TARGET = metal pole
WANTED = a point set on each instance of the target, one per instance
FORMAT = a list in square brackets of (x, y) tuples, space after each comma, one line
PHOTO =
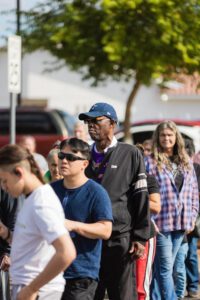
[(18, 30), (12, 118), (18, 17)]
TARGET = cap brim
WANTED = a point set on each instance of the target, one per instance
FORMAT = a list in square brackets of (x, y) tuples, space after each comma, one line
[(92, 114)]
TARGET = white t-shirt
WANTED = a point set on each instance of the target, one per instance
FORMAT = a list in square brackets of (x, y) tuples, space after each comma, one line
[(39, 222)]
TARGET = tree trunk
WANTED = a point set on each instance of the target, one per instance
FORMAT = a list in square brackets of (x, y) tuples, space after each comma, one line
[(131, 98)]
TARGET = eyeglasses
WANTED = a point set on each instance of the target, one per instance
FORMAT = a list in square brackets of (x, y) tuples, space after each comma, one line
[(95, 121), (69, 156)]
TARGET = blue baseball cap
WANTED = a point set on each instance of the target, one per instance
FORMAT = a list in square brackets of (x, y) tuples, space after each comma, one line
[(99, 110)]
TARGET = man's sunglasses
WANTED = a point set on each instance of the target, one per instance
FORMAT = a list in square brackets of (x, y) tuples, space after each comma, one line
[(69, 156), (95, 121)]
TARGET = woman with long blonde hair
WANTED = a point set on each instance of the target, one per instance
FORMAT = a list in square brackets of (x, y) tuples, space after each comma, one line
[(174, 171), (175, 151)]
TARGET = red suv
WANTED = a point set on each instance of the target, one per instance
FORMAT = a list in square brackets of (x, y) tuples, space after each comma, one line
[(46, 125)]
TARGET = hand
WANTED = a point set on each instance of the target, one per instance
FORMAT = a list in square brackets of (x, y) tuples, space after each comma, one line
[(5, 263), (189, 231), (137, 250), (27, 294), (70, 225), (3, 231)]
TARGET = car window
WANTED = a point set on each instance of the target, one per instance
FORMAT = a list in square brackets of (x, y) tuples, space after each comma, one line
[(28, 123), (68, 119), (140, 137), (4, 123)]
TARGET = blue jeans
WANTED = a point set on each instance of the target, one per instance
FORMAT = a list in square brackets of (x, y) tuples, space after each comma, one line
[(192, 265), (180, 270), (168, 244)]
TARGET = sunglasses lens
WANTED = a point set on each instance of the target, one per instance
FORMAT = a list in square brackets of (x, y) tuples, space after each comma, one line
[(95, 121), (69, 156), (61, 155)]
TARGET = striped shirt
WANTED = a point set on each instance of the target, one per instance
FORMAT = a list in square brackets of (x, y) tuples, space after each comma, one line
[(179, 209)]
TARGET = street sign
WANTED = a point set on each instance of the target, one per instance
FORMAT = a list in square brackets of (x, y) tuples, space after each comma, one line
[(14, 64)]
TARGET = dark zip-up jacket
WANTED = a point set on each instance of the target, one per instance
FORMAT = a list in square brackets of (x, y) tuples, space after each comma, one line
[(8, 209), (125, 181)]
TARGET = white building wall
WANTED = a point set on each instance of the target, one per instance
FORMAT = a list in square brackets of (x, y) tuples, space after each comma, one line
[(65, 89)]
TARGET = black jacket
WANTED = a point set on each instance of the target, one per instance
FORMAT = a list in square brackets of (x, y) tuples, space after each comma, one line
[(8, 208), (125, 181)]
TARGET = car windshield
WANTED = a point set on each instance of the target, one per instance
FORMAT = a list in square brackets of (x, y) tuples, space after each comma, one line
[(68, 119)]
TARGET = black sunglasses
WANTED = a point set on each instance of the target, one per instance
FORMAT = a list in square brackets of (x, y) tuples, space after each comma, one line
[(69, 156), (95, 121)]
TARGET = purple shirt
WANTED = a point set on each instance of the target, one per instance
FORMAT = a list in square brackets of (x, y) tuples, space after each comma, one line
[(97, 158)]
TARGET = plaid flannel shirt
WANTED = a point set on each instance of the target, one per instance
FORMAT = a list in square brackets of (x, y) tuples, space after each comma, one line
[(178, 209)]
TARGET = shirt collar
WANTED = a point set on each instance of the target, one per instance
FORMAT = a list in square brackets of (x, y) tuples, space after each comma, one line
[(113, 144)]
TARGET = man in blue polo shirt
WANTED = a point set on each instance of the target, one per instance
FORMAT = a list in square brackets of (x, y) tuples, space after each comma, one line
[(88, 218)]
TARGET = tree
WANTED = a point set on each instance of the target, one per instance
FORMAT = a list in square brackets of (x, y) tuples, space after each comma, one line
[(136, 40)]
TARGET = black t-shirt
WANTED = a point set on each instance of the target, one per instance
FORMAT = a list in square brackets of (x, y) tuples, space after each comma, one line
[(179, 180), (178, 176), (153, 187), (152, 184)]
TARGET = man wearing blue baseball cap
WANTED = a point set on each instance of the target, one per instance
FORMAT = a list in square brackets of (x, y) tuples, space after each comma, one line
[(99, 110), (119, 168)]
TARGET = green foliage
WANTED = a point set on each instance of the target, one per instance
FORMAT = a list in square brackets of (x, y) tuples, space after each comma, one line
[(118, 38), (154, 36)]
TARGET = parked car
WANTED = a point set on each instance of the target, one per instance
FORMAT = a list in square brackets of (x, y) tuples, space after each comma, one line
[(46, 125), (143, 130), (68, 119)]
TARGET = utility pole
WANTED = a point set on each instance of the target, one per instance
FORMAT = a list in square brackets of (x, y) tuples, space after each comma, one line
[(18, 17), (18, 31)]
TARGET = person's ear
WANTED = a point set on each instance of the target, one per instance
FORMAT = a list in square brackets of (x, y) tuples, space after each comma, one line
[(113, 123), (85, 163), (17, 171)]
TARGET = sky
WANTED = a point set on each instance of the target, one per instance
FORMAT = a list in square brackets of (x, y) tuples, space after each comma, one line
[(8, 20)]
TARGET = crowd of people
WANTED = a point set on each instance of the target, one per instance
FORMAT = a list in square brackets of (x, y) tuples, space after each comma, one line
[(100, 217)]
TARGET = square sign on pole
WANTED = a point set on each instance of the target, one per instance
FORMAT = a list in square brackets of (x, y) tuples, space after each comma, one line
[(14, 64)]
